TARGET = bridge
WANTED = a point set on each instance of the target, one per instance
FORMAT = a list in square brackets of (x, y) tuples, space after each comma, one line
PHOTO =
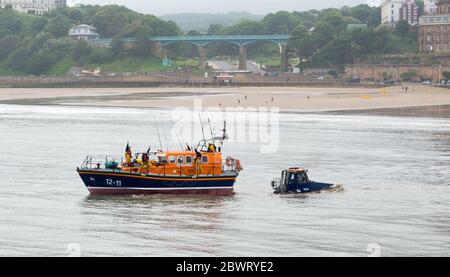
[(242, 41)]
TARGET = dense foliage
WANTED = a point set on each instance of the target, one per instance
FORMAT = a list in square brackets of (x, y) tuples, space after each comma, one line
[(330, 37), (201, 21), (327, 38), (32, 44)]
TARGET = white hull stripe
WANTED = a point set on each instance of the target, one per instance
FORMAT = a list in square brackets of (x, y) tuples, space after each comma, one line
[(130, 188)]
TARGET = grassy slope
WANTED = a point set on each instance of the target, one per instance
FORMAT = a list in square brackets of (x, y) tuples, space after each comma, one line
[(126, 64), (130, 64)]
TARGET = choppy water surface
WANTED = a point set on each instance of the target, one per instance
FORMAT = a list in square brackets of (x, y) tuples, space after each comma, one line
[(395, 171)]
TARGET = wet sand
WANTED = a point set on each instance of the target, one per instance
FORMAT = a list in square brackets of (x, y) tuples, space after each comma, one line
[(286, 99)]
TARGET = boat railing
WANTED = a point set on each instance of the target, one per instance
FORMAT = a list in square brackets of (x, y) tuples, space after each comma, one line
[(229, 166), (97, 162)]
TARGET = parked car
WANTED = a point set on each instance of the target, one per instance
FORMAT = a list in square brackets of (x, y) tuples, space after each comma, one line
[(427, 83), (354, 80), (389, 82)]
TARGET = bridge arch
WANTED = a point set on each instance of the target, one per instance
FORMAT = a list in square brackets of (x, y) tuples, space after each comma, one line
[(242, 41)]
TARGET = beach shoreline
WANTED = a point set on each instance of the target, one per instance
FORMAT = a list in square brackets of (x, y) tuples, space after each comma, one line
[(291, 99)]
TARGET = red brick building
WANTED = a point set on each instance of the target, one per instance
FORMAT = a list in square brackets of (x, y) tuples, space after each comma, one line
[(434, 33), (409, 11)]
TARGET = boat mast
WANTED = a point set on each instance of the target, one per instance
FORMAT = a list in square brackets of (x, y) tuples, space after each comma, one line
[(201, 123), (210, 129), (159, 136), (165, 137), (176, 133)]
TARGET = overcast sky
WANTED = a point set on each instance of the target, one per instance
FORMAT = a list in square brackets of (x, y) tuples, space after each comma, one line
[(162, 7)]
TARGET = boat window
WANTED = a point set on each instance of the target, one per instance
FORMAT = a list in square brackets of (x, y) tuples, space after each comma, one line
[(188, 160), (180, 159), (303, 177), (205, 159), (172, 159)]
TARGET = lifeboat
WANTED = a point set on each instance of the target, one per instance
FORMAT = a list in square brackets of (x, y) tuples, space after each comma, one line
[(199, 170)]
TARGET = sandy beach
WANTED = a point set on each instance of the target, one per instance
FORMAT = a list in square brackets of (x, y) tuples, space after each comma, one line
[(286, 99)]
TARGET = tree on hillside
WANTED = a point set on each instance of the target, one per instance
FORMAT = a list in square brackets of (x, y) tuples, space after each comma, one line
[(7, 45), (245, 27), (81, 52), (39, 24), (361, 12), (10, 21), (375, 17), (18, 59), (214, 29), (403, 28), (339, 51), (76, 15), (142, 47), (41, 62), (363, 41), (281, 22), (300, 42), (333, 18), (116, 24), (307, 19), (58, 26), (322, 34), (117, 45)]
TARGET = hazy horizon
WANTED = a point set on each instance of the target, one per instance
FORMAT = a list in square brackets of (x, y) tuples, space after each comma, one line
[(258, 7)]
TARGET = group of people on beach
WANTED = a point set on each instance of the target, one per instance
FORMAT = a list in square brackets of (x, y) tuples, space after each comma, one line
[(405, 89)]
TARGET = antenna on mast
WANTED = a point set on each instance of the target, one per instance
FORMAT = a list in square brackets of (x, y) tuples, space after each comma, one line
[(212, 134), (201, 123), (165, 137), (159, 136), (176, 133), (225, 136)]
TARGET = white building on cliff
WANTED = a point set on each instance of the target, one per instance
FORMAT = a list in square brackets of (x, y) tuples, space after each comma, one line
[(38, 7)]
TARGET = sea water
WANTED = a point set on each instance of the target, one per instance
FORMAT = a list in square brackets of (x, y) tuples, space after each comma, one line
[(395, 171)]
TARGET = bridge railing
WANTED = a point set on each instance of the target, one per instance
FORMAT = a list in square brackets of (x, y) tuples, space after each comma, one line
[(208, 38)]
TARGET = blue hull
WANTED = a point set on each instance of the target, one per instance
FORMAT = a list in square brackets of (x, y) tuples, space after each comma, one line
[(311, 187), (119, 183)]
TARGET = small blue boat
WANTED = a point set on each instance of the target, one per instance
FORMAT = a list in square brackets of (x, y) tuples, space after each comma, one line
[(296, 180)]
